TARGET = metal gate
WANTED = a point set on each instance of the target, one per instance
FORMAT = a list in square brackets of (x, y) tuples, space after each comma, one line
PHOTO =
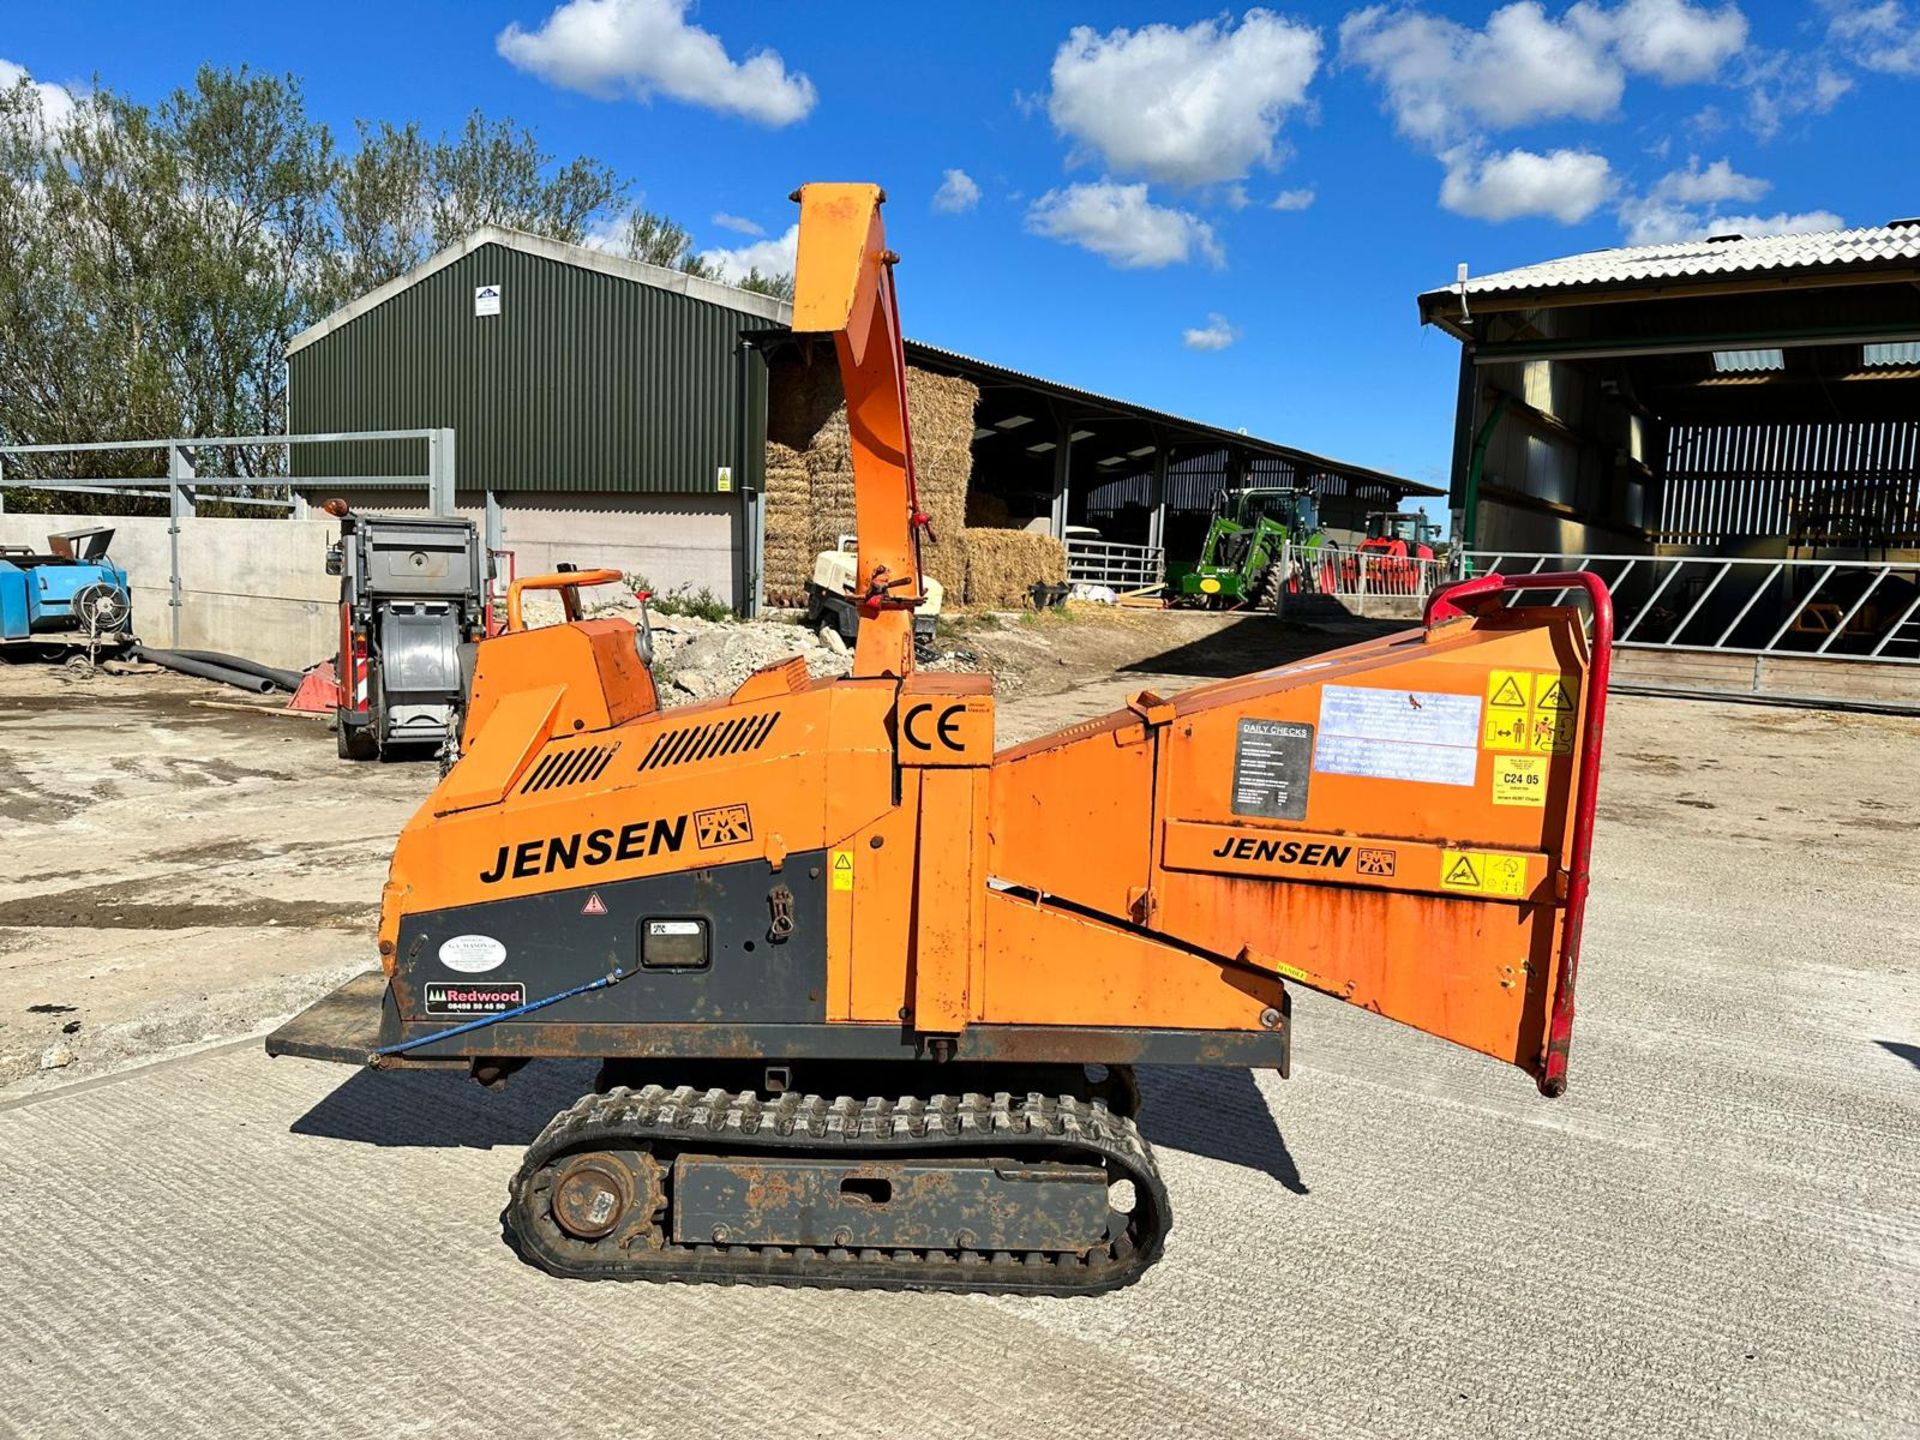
[(1801, 628), (1121, 568)]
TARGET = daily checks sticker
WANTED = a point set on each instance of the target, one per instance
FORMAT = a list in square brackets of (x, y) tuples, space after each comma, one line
[(1484, 872)]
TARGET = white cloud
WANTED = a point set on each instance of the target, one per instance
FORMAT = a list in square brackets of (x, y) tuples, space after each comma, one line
[(1653, 222), (1444, 81), (1647, 222), (1293, 199), (607, 234), (57, 105), (1881, 37), (1450, 86), (1781, 86), (1191, 106), (957, 193), (1714, 185), (770, 257), (1682, 206), (1567, 185), (1120, 223), (1675, 42), (1216, 334), (647, 47), (1779, 223), (739, 224)]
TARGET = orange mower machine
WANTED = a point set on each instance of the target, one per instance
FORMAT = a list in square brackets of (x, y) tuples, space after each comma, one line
[(868, 993)]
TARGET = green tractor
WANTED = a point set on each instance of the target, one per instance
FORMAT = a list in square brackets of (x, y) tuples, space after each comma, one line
[(1241, 561)]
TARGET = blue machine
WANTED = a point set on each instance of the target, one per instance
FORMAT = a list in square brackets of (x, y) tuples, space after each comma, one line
[(73, 596)]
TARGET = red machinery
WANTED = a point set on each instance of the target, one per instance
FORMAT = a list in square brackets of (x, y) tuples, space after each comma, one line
[(1396, 557)]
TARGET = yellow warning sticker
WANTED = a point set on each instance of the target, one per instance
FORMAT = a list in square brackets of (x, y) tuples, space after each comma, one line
[(1552, 733), (1557, 693), (1520, 780), (843, 870), (1484, 872), (1507, 730), (1530, 710), (1509, 689)]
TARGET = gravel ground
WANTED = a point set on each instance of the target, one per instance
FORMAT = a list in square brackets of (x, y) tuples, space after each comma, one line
[(1716, 1232)]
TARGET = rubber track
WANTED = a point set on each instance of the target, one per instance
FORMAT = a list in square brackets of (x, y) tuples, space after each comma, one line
[(684, 1120)]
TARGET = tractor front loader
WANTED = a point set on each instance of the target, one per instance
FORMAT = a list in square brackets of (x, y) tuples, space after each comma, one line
[(867, 994), (1262, 544)]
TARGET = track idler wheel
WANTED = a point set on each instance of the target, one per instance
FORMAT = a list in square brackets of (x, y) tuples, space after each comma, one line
[(595, 1194)]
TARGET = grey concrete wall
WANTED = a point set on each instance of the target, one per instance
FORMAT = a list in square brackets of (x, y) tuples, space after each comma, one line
[(676, 541), (257, 588)]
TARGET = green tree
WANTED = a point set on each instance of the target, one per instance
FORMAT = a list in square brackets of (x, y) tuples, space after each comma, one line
[(780, 287), (655, 239), (402, 197), (155, 261)]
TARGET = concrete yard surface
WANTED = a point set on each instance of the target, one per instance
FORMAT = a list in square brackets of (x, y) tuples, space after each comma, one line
[(1716, 1232)]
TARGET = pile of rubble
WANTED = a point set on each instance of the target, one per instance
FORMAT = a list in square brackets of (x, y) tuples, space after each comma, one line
[(697, 659)]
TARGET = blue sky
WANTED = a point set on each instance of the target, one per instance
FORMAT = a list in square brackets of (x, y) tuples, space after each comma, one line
[(1221, 212)]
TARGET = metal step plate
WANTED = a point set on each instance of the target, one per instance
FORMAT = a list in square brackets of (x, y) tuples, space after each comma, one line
[(343, 1027)]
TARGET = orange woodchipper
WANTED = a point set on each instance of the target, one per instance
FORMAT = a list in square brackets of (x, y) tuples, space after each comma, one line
[(867, 993)]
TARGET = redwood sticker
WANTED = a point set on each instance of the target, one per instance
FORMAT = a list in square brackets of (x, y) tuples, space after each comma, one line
[(469, 997)]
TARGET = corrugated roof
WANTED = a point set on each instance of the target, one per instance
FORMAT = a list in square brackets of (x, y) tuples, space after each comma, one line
[(920, 350), (1816, 252), (749, 302)]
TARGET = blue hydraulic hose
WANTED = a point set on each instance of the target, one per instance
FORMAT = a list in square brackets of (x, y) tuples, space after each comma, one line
[(485, 1020)]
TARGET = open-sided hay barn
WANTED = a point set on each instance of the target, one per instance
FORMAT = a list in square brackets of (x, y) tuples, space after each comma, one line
[(1727, 430)]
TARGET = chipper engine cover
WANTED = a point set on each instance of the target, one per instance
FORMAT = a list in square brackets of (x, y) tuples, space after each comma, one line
[(868, 992)]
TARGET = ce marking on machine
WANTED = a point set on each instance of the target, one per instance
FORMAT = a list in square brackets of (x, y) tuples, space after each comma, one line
[(945, 726)]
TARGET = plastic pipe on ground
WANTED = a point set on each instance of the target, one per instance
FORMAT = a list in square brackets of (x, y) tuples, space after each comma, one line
[(206, 670), (285, 679)]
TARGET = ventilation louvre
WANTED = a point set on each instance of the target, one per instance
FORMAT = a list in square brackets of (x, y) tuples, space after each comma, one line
[(734, 736), (562, 768)]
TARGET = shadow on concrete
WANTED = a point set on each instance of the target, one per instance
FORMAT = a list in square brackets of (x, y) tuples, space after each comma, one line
[(433, 1110), (1908, 1053), (1258, 642), (1219, 1113)]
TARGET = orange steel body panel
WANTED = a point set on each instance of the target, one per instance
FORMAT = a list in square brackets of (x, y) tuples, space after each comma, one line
[(597, 662), (1361, 892), (1109, 875)]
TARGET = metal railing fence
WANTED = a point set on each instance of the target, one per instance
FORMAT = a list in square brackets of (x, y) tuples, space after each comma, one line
[(182, 485), (1356, 577), (1861, 610)]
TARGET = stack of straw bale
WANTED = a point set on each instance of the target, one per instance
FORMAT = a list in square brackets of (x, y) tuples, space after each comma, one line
[(940, 416), (1003, 566), (789, 521)]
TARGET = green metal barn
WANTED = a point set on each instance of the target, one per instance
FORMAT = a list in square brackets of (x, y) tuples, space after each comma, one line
[(591, 413)]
